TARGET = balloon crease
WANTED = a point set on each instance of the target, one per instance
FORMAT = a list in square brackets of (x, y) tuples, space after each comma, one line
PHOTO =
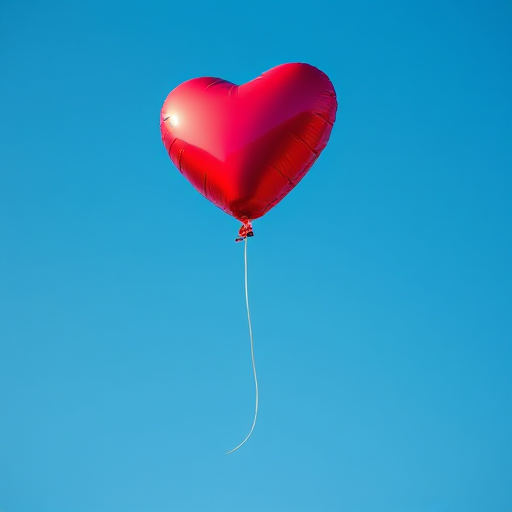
[(302, 141), (179, 158), (220, 81), (323, 118), (282, 174), (170, 147)]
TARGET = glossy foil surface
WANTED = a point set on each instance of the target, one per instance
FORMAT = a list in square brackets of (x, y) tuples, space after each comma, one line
[(245, 147)]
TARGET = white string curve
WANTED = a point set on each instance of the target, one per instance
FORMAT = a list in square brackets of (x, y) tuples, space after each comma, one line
[(252, 355)]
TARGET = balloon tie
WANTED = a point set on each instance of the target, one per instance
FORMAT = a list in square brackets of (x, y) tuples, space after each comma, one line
[(245, 231), (252, 346)]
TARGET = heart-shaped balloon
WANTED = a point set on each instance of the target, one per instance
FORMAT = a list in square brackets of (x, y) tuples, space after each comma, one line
[(245, 147)]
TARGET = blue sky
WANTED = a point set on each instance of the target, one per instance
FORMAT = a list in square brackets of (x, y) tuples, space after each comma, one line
[(380, 288)]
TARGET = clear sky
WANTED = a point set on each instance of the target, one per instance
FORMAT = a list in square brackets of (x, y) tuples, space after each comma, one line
[(381, 287)]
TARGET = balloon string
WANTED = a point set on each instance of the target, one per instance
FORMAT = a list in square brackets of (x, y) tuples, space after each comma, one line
[(252, 354)]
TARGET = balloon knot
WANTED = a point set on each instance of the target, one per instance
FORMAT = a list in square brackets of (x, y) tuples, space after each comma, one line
[(245, 231)]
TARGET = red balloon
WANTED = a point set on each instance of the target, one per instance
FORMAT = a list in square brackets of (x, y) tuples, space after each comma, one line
[(245, 147)]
